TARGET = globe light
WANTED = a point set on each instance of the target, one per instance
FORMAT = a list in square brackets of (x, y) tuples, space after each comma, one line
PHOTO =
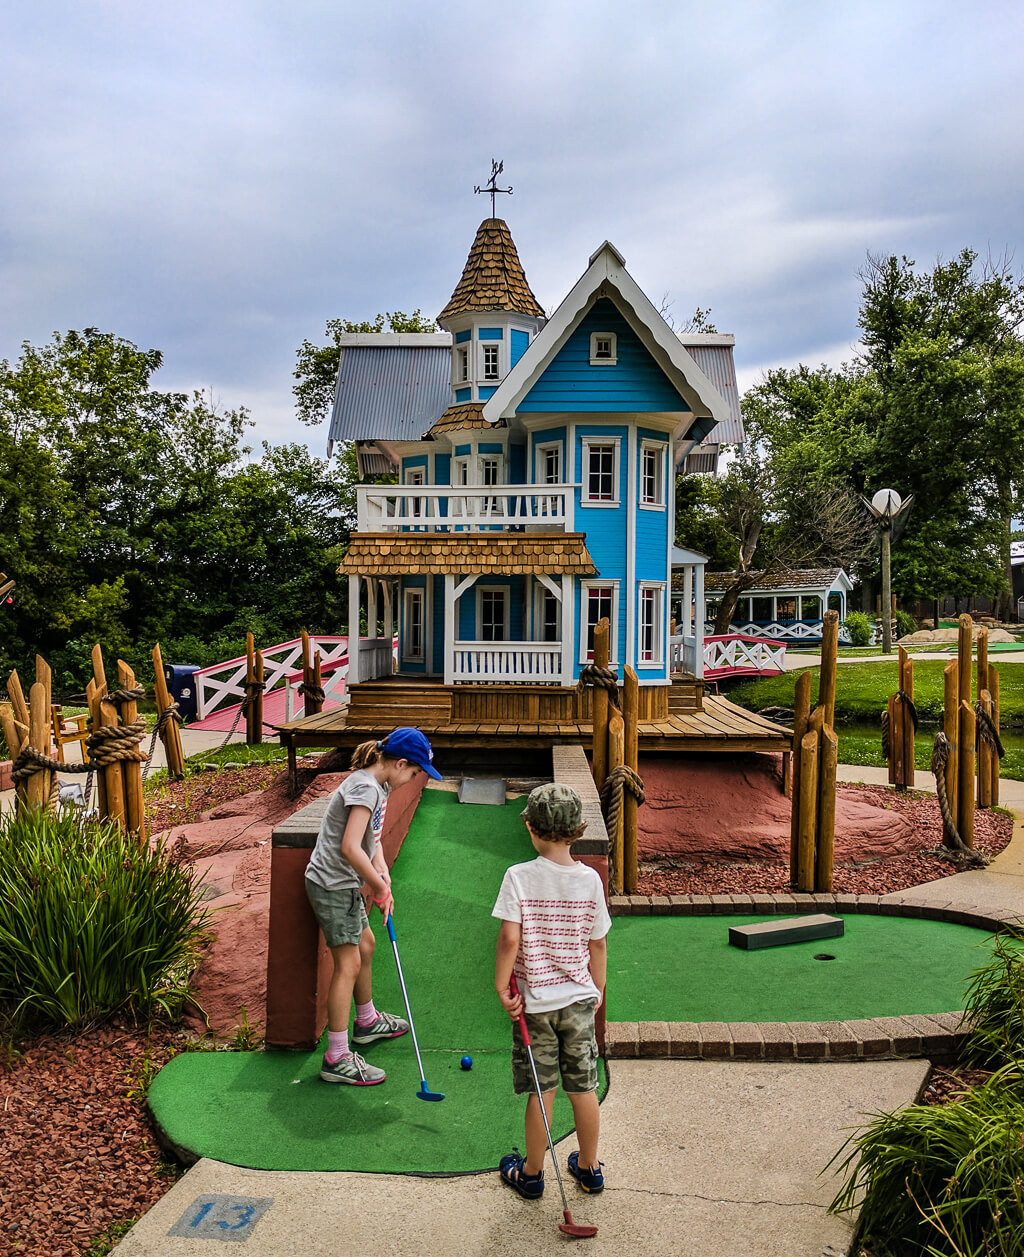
[(886, 503)]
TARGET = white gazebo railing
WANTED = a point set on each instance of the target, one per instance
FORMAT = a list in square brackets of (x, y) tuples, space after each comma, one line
[(537, 663), (451, 508), (785, 630)]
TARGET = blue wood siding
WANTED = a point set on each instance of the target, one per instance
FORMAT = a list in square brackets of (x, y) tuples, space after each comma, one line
[(468, 627), (635, 383), (461, 450), (437, 621), (520, 343), (652, 523), (517, 464), (415, 461), (462, 337), (442, 469), (490, 333), (486, 391), (491, 447), (409, 582), (463, 394)]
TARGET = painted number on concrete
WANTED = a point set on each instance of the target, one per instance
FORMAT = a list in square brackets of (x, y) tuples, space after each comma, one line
[(219, 1217)]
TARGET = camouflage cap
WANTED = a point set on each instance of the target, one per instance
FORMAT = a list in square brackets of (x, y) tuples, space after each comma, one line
[(554, 809)]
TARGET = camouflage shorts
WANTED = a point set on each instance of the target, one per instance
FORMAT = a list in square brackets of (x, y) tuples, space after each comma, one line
[(563, 1043)]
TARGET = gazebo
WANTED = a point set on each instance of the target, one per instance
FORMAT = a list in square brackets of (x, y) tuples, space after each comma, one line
[(784, 605)]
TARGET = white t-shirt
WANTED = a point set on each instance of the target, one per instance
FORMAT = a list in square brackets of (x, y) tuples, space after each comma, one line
[(560, 908)]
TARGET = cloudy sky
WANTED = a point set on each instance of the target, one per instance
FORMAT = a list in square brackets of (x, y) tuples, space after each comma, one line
[(217, 179)]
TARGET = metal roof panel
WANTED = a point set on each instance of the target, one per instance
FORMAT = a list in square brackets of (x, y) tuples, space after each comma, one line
[(390, 392)]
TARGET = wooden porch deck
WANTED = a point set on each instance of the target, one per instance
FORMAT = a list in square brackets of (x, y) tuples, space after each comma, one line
[(712, 724)]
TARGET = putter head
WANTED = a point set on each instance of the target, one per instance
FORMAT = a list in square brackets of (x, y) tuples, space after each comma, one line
[(574, 1230), (424, 1094)]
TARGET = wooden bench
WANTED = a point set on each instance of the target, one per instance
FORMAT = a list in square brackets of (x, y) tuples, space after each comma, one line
[(68, 729)]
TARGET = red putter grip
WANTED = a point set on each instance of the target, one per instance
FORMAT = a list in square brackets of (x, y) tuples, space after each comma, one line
[(513, 986)]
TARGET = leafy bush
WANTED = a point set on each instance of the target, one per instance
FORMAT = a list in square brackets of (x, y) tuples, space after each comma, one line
[(905, 624), (994, 1008), (859, 627), (91, 922)]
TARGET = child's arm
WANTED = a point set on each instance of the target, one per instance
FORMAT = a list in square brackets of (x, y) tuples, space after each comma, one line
[(352, 851), (599, 964), (508, 947)]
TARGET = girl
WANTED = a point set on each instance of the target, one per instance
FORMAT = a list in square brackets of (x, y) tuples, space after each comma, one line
[(348, 855)]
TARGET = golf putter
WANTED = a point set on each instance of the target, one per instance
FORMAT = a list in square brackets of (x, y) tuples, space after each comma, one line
[(424, 1092), (568, 1227)]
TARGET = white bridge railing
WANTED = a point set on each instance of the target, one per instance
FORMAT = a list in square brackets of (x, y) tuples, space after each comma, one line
[(743, 654), (456, 508), (537, 663), (785, 630), (223, 684)]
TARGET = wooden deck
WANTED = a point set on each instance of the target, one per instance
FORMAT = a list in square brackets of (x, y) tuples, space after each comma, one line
[(712, 724)]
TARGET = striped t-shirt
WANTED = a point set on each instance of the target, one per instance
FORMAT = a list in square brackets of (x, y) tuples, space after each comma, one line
[(560, 908)]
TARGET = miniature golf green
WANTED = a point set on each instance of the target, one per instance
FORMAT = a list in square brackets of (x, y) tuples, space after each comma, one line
[(269, 1110)]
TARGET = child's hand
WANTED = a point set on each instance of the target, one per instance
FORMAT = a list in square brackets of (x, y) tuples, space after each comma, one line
[(512, 1004), (385, 903)]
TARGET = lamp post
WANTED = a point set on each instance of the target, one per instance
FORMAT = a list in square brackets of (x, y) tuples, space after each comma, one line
[(887, 507)]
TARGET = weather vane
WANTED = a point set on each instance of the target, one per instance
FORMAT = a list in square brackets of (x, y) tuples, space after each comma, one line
[(491, 185)]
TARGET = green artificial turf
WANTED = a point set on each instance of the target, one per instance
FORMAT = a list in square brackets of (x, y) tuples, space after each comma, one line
[(684, 969), (269, 1110)]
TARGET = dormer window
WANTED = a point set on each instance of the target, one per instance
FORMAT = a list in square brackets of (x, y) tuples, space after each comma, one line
[(461, 366), (490, 362), (603, 349)]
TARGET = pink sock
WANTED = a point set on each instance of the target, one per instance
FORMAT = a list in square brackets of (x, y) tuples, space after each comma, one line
[(366, 1014), (337, 1045)]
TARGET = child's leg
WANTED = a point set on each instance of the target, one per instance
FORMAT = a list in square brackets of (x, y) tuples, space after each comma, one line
[(363, 988), (536, 1135), (339, 994), (587, 1115)]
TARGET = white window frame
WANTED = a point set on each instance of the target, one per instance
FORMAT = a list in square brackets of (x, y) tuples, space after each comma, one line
[(613, 619), (659, 450), (657, 659), (605, 360), (541, 453), (507, 610), (588, 442), (485, 353), (540, 594), (462, 372), (411, 594)]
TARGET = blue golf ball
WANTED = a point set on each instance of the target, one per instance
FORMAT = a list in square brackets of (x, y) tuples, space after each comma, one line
[(466, 1062)]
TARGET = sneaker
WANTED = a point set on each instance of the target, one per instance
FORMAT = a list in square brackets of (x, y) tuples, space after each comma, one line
[(387, 1026), (591, 1180), (529, 1186), (353, 1070)]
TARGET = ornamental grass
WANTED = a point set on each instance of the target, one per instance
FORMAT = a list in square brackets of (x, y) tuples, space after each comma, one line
[(92, 923), (994, 1008)]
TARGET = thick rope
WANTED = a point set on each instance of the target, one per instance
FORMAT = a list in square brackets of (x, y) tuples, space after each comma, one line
[(987, 731), (169, 714), (618, 781), (603, 678), (885, 735), (903, 697), (315, 692), (953, 846)]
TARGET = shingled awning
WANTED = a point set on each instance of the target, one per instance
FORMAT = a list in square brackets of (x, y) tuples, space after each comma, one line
[(491, 554), (463, 415), (493, 278)]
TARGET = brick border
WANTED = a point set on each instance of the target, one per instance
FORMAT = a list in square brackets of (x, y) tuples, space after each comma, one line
[(937, 1036)]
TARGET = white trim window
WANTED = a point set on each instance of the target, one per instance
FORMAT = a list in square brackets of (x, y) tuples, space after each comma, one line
[(491, 360), (462, 364), (650, 647), (600, 601), (603, 349), (415, 476), (549, 463), (492, 613), (600, 471), (652, 474), (547, 615), (414, 621)]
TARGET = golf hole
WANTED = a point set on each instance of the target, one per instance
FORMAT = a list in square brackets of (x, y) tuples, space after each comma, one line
[(823, 955)]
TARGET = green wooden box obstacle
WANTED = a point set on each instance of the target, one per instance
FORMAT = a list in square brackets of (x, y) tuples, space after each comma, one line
[(788, 930)]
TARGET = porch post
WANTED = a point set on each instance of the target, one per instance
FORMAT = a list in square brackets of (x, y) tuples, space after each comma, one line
[(698, 624), (568, 627), (353, 631), (389, 622), (449, 628), (687, 616)]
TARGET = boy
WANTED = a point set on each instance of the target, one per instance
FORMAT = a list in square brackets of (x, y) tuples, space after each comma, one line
[(553, 926)]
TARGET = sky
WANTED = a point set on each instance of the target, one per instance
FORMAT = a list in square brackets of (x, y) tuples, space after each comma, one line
[(215, 180)]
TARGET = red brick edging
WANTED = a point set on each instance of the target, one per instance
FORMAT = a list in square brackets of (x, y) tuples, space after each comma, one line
[(936, 1035)]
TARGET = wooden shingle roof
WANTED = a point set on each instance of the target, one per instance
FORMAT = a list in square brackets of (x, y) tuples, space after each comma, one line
[(493, 278), (493, 554), (782, 581), (463, 415)]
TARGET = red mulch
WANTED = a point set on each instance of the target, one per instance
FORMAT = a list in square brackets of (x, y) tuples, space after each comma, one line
[(992, 831), (79, 1153)]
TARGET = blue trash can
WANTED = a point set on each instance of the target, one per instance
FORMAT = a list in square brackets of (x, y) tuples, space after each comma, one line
[(181, 684)]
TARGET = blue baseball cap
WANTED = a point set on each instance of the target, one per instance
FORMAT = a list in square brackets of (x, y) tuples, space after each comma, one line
[(411, 744)]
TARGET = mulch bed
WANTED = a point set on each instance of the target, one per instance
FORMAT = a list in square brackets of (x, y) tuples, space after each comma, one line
[(992, 831), (79, 1153)]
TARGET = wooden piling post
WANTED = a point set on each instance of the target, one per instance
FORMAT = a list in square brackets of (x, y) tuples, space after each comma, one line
[(630, 716), (986, 754), (307, 676), (599, 705), (993, 688), (616, 748), (113, 778), (37, 792), (890, 706), (808, 811), (170, 734), (963, 652), (824, 853), (965, 786), (801, 713), (981, 676), (250, 677), (951, 728), (92, 698), (827, 674), (318, 681), (131, 769)]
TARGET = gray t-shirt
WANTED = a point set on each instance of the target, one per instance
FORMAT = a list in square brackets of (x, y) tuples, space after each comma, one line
[(327, 866)]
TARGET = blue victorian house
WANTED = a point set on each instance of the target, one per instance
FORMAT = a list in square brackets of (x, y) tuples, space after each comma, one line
[(536, 460)]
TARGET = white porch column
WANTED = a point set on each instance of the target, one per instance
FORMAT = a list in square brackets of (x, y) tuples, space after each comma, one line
[(698, 622), (568, 628), (371, 608), (353, 631), (389, 621), (685, 627), (449, 628)]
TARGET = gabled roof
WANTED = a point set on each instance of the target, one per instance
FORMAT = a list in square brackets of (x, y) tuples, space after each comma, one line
[(712, 352), (493, 277), (792, 581), (391, 385), (606, 276)]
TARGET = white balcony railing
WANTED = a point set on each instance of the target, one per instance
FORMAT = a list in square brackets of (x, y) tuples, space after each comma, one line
[(529, 663), (457, 508)]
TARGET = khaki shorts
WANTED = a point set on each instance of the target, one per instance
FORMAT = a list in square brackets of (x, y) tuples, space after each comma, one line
[(341, 913), (563, 1042)]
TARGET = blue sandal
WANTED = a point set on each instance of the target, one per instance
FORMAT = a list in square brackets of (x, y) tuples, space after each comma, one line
[(589, 1178), (529, 1186)]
